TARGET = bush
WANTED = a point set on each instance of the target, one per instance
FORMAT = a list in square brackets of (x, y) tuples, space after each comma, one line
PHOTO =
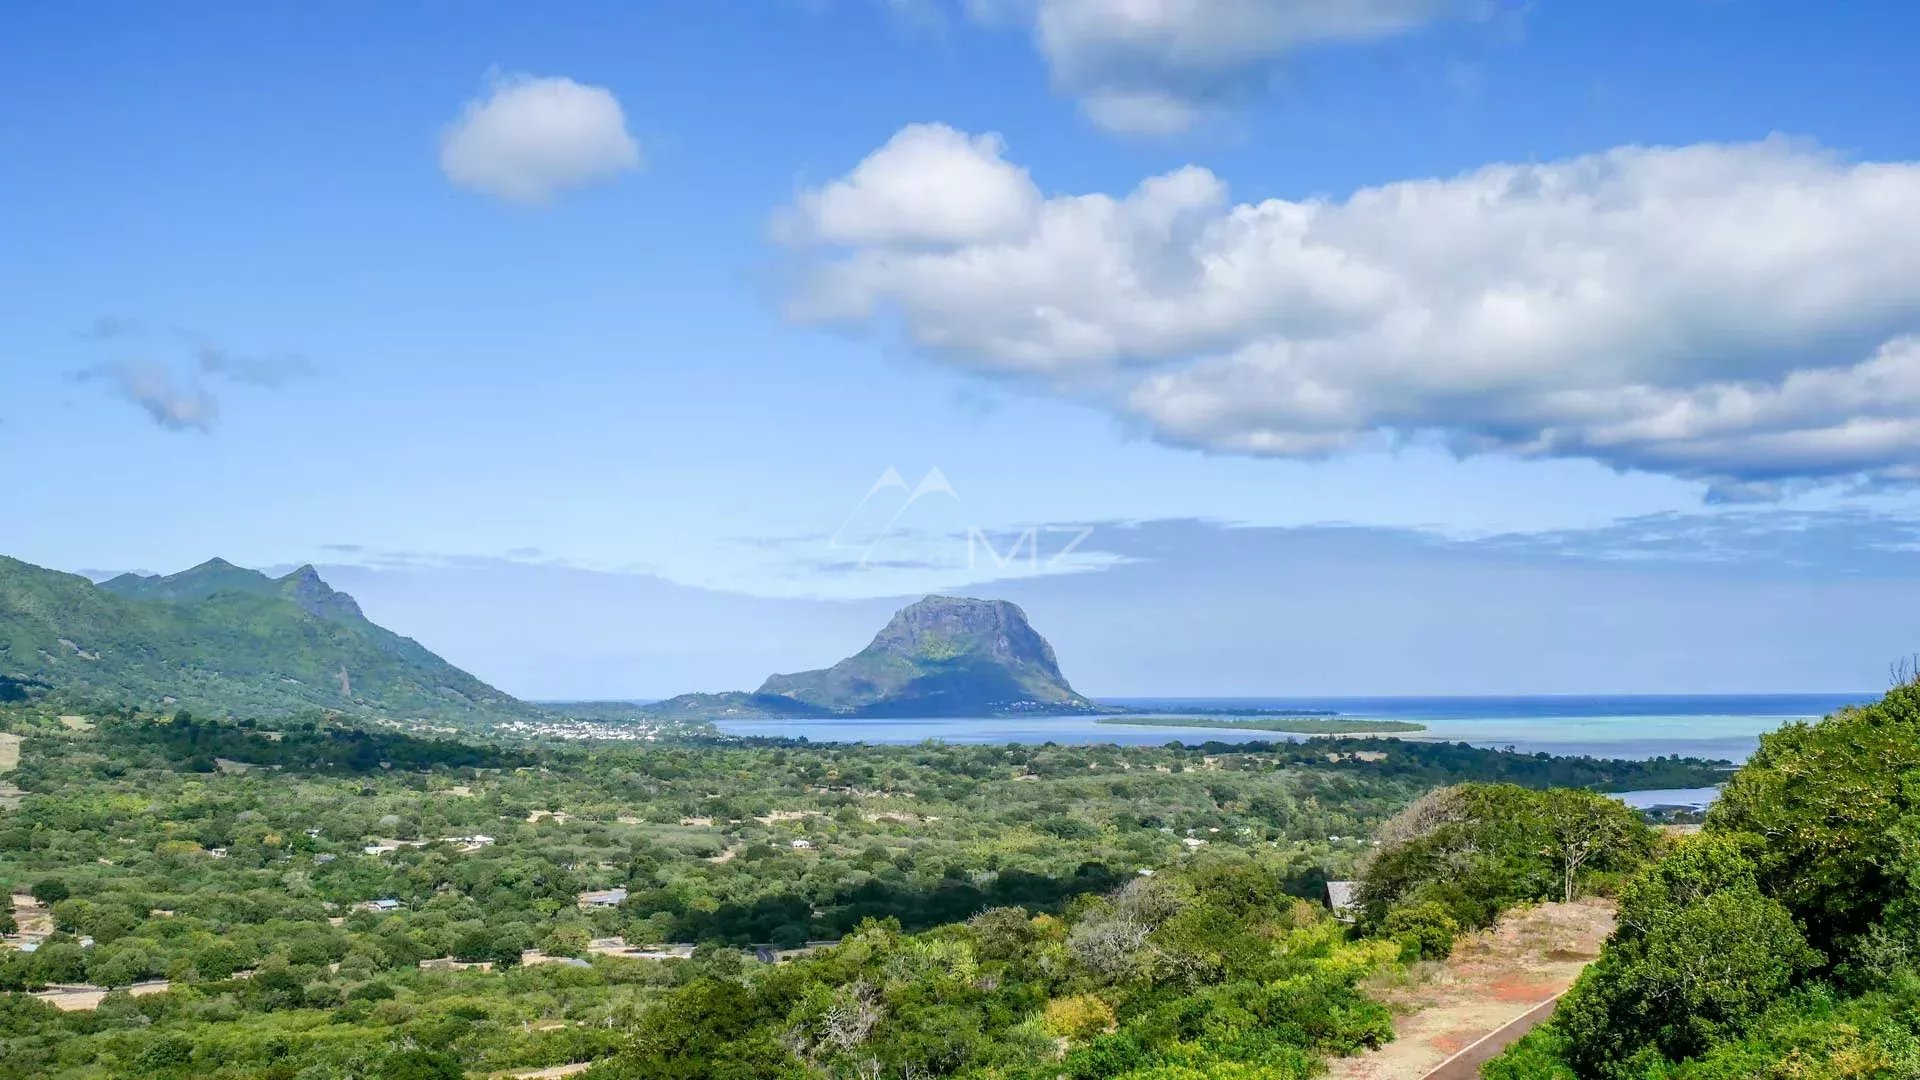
[(1697, 973), (166, 1052), (421, 1065), (1078, 1017), (1538, 1055), (1425, 931)]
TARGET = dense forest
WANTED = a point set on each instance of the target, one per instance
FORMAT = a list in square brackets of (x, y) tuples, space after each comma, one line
[(1149, 904)]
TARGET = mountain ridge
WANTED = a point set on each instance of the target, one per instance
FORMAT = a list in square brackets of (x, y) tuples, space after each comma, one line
[(303, 586), (224, 639)]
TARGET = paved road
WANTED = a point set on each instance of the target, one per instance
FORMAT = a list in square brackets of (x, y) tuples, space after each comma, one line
[(1465, 1065)]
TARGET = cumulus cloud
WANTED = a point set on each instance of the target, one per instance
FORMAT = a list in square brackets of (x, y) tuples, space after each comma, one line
[(530, 138), (1153, 66), (172, 404), (929, 184), (1743, 314)]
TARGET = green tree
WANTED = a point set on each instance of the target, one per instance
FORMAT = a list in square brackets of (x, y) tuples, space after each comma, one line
[(1838, 802), (1589, 830), (1682, 977), (420, 1064), (165, 1053), (1425, 931), (119, 964)]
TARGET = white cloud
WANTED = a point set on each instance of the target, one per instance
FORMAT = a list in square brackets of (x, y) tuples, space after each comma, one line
[(532, 137), (1152, 66), (1741, 314), (929, 184)]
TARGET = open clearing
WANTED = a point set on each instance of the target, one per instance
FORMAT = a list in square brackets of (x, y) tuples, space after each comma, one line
[(1492, 978), (34, 918), (88, 998), (553, 1073), (10, 795)]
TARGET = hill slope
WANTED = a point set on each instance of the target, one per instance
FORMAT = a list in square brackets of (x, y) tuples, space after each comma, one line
[(225, 640), (941, 656)]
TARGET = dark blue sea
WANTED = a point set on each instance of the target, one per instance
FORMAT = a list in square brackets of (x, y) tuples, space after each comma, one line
[(1626, 726)]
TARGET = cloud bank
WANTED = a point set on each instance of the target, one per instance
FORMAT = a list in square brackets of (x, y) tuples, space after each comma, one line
[(1737, 601), (531, 138), (1747, 315)]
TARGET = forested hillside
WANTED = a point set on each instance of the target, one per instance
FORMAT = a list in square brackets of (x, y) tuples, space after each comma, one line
[(1098, 911), (222, 640)]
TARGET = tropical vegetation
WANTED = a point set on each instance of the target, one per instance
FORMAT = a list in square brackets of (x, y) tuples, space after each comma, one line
[(1781, 942), (314, 892)]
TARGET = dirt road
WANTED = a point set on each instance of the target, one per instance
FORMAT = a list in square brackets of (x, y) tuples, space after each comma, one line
[(1496, 986), (1465, 1065)]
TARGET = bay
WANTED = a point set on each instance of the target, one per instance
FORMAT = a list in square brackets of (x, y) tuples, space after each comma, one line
[(1620, 725)]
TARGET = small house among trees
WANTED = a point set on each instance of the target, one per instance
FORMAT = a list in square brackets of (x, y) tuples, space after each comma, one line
[(1340, 899), (602, 898)]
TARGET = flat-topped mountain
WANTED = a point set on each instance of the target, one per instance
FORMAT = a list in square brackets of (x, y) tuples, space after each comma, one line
[(941, 656), (223, 639)]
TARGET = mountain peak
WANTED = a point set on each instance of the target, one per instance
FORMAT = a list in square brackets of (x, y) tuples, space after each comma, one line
[(306, 588), (210, 578), (942, 627), (941, 655)]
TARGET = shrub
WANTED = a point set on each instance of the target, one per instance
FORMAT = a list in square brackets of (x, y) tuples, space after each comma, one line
[(421, 1065), (1538, 1055), (1078, 1017), (1695, 974), (1425, 931)]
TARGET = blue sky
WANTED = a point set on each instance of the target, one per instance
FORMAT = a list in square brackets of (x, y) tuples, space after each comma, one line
[(606, 323)]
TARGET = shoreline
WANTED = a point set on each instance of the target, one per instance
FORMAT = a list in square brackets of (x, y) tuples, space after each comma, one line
[(1299, 725)]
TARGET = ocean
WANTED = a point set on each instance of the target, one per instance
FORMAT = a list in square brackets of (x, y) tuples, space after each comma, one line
[(1624, 726)]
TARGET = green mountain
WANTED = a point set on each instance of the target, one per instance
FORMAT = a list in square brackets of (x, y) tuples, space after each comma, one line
[(941, 656), (225, 640)]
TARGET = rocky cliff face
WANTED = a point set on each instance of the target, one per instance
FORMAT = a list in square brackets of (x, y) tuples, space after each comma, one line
[(942, 626), (306, 588), (943, 655)]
